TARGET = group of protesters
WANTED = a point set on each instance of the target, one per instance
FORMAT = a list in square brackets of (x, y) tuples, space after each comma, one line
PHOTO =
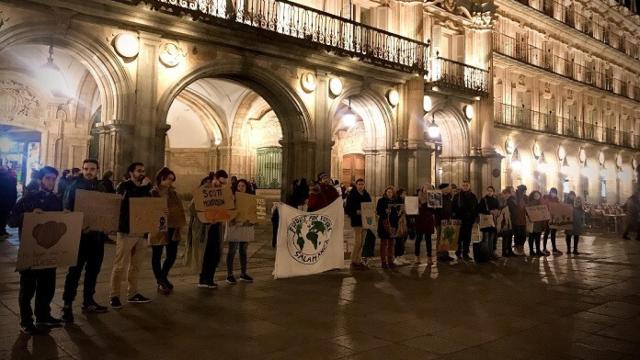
[(507, 210), (48, 193)]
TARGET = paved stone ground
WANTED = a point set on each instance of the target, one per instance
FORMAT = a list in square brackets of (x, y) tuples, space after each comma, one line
[(567, 307)]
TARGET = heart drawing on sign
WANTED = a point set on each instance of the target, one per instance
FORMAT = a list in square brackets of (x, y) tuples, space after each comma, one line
[(48, 234)]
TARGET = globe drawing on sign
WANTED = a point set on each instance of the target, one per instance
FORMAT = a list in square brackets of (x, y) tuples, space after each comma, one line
[(308, 237)]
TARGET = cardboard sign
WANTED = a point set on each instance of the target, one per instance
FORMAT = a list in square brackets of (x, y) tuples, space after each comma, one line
[(411, 205), (561, 216), (486, 221), (215, 216), (538, 213), (261, 211), (148, 215), (449, 233), (177, 216), (368, 214), (206, 198), (49, 240), (434, 199), (246, 205), (101, 210)]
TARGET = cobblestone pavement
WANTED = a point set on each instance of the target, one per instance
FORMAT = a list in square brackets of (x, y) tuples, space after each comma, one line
[(566, 307)]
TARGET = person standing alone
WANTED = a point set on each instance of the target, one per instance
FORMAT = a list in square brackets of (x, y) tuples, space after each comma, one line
[(465, 204)]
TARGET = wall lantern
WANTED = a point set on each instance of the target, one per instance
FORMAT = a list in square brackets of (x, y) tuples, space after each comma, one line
[(217, 141), (543, 165), (619, 161), (634, 163), (308, 82), (433, 130), (427, 104), (171, 54), (126, 45), (509, 146), (468, 112), (516, 164), (335, 87), (393, 97)]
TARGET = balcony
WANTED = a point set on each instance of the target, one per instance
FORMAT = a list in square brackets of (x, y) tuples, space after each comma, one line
[(306, 26), (524, 52), (445, 73), (527, 119), (598, 30)]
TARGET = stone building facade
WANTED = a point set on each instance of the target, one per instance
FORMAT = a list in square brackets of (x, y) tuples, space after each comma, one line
[(401, 92)]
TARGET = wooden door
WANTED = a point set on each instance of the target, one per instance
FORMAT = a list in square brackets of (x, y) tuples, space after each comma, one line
[(352, 168)]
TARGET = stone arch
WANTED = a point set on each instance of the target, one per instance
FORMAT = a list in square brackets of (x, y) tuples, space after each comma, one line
[(114, 84), (295, 120), (454, 130), (288, 106), (210, 116), (377, 118)]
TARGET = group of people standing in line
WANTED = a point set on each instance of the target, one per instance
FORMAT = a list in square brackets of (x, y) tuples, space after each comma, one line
[(508, 210), (204, 246)]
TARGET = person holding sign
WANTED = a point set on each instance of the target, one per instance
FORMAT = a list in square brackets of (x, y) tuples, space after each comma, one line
[(129, 247), (90, 252), (536, 227), (241, 232), (425, 223), (38, 282), (488, 209), (355, 198), (547, 199), (388, 223), (171, 238), (465, 204), (578, 223), (213, 233)]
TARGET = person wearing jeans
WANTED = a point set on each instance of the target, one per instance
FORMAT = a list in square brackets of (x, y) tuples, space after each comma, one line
[(40, 283), (129, 247), (213, 247), (425, 223), (357, 195), (170, 239), (387, 220), (239, 235), (552, 197), (90, 252)]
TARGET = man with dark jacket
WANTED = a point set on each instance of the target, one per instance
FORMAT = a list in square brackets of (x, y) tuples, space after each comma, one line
[(129, 247), (465, 205), (91, 251), (445, 213), (38, 282), (8, 196), (356, 197)]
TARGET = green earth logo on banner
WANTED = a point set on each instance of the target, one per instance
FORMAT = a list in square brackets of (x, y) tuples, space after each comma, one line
[(308, 237)]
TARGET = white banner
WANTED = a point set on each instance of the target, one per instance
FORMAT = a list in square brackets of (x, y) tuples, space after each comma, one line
[(309, 242)]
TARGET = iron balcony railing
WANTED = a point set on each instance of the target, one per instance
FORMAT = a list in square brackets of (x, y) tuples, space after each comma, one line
[(550, 123), (339, 35), (599, 30), (545, 59), (457, 75)]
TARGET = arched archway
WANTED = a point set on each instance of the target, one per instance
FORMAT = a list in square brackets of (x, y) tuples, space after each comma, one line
[(361, 148), (452, 162), (292, 115)]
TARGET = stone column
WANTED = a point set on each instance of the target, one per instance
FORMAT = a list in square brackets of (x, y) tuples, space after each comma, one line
[(116, 146), (323, 124), (297, 162)]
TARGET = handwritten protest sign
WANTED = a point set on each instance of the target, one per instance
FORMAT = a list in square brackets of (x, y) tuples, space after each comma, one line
[(434, 199), (207, 198), (368, 214), (49, 240), (148, 215), (101, 210), (261, 210), (411, 205), (561, 216), (448, 239), (538, 213)]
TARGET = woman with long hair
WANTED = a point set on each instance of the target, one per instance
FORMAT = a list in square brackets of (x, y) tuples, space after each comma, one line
[(166, 240), (239, 235)]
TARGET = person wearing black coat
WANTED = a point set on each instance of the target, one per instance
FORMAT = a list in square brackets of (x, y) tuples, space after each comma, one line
[(90, 252), (40, 283), (445, 213), (387, 220), (356, 197), (489, 205), (8, 196), (465, 205)]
